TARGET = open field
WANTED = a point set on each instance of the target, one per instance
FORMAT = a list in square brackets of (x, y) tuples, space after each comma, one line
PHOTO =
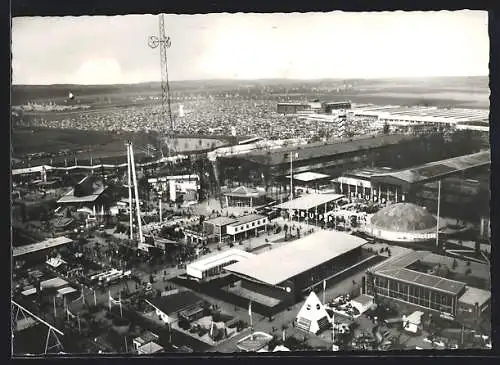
[(100, 145)]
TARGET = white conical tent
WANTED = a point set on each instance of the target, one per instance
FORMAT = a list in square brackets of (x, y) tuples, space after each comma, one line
[(313, 316)]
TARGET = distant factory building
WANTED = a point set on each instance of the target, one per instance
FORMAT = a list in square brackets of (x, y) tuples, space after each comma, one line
[(472, 119), (330, 107), (295, 108)]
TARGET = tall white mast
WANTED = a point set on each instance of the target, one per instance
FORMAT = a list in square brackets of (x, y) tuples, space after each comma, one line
[(130, 207), (291, 175), (159, 203), (438, 213), (136, 192)]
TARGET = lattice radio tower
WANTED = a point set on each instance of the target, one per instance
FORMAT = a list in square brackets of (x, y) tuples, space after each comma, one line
[(166, 111)]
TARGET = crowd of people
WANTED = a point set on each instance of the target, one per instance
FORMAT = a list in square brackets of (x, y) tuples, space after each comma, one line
[(203, 116)]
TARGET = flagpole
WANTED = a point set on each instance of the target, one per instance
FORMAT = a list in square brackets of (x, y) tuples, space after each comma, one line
[(291, 188), (324, 292), (120, 300), (55, 311), (251, 320), (334, 347)]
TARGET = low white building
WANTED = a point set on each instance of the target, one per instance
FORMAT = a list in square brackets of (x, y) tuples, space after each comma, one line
[(214, 264), (248, 223), (144, 339)]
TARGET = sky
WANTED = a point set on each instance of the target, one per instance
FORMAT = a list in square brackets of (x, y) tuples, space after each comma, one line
[(113, 50)]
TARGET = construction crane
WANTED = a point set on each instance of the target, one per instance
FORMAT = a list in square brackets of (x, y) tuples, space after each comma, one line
[(163, 42)]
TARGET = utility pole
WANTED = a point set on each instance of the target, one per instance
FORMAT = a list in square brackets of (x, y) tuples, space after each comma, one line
[(438, 213)]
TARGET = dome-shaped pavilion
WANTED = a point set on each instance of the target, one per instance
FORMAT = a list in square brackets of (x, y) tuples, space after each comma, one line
[(403, 222)]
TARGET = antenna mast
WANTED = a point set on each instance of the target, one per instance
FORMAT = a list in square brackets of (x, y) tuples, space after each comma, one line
[(166, 111)]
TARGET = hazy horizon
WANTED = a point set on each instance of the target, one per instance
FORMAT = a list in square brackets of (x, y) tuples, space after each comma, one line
[(269, 79), (100, 50)]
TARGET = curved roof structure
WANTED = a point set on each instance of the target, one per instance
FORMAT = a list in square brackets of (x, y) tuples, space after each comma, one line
[(435, 170), (404, 217)]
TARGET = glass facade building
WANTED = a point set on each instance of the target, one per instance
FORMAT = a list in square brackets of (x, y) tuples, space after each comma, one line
[(420, 295)]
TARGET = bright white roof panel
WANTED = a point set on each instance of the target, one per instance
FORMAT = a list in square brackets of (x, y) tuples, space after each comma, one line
[(473, 295), (67, 290), (282, 263), (53, 283), (309, 201), (211, 261), (50, 243), (308, 176), (29, 292)]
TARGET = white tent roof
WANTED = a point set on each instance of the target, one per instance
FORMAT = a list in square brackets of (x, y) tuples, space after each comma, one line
[(55, 262), (281, 348), (414, 318), (53, 283), (308, 176), (66, 291), (312, 312), (309, 201)]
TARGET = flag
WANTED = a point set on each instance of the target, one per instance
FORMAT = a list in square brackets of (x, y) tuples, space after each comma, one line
[(296, 155), (324, 285)]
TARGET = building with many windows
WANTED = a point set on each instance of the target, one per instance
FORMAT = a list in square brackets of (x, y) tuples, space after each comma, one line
[(399, 279), (247, 225)]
